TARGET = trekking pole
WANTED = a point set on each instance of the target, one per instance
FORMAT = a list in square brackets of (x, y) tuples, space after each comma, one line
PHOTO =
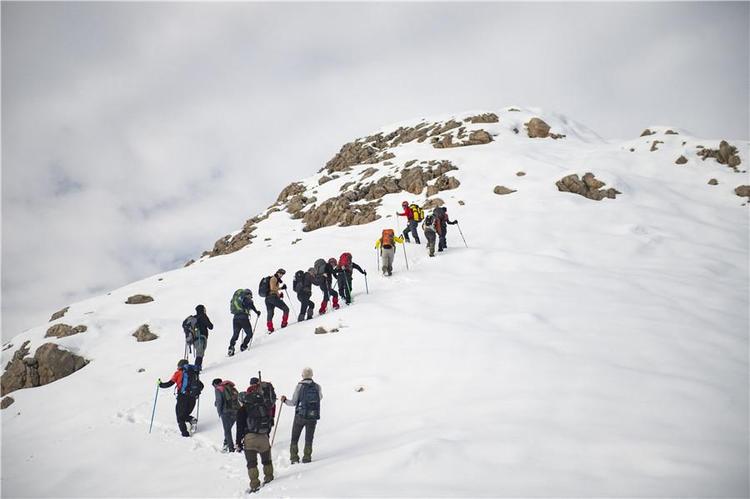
[(153, 411), (291, 306), (462, 234), (377, 259), (403, 246), (367, 288), (278, 417), (186, 350), (198, 413), (255, 326)]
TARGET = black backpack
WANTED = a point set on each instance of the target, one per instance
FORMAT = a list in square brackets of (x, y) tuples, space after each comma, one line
[(264, 287), (190, 328), (257, 419), (429, 221), (440, 213), (320, 266), (299, 280), (191, 383), (231, 397), (308, 405)]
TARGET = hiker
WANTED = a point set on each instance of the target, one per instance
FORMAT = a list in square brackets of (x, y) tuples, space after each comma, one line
[(302, 285), (428, 226), (387, 245), (188, 389), (441, 225), (306, 401), (254, 423), (227, 404), (326, 285), (204, 324), (412, 214), (344, 276), (241, 306), (274, 299)]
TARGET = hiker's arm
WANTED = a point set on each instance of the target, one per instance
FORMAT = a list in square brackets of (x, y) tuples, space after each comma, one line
[(219, 402), (241, 427), (355, 266), (295, 397), (172, 381)]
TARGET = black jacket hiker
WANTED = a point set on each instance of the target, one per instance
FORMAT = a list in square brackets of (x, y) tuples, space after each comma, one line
[(204, 324)]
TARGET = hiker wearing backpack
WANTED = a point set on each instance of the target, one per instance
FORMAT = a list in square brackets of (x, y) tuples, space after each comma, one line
[(428, 226), (306, 401), (188, 389), (325, 281), (441, 225), (254, 423), (273, 289), (240, 307), (203, 325), (227, 404), (344, 276), (302, 285), (414, 215), (387, 246)]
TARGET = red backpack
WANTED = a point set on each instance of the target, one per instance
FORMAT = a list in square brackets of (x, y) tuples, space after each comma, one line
[(345, 261), (386, 239)]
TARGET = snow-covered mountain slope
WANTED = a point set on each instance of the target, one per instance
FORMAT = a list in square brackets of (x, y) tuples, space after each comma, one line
[(575, 348)]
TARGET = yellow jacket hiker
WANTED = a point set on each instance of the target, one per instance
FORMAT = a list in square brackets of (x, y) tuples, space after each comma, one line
[(387, 245)]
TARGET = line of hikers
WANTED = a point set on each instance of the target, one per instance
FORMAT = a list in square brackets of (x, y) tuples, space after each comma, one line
[(253, 412)]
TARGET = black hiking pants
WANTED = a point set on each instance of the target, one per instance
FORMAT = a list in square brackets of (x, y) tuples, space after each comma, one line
[(309, 427), (344, 278), (227, 421), (272, 302), (411, 228), (327, 288), (442, 244), (241, 322), (185, 405), (307, 307), (431, 236)]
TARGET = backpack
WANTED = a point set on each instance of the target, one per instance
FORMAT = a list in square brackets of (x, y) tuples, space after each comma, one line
[(440, 213), (386, 239), (269, 398), (191, 383), (308, 405), (237, 306), (299, 280), (190, 328), (258, 419), (418, 213), (345, 261), (320, 266), (231, 397), (265, 286)]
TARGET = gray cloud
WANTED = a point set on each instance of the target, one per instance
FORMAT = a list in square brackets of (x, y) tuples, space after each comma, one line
[(135, 134)]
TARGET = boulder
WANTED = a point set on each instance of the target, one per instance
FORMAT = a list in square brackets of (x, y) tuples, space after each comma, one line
[(49, 364), (681, 160), (743, 191), (369, 172), (502, 190), (143, 333), (138, 299), (359, 389), (520, 174), (654, 145), (537, 128), (322, 180), (63, 330), (320, 330), (461, 203), (713, 181), (647, 132), (189, 262), (588, 187), (432, 190), (290, 190), (484, 118), (432, 204), (478, 137), (59, 314), (446, 183), (6, 402), (726, 154), (671, 132)]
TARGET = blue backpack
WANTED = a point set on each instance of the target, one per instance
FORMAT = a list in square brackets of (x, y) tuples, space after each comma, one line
[(191, 383), (308, 405)]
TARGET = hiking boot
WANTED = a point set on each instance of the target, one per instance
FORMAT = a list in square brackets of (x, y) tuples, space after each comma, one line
[(254, 481), (323, 307), (269, 325), (243, 348), (300, 318), (293, 454), (307, 454), (267, 473), (227, 448), (310, 315), (336, 303), (230, 352), (284, 320)]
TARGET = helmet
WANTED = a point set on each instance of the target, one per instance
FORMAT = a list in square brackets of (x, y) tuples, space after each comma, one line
[(281, 271)]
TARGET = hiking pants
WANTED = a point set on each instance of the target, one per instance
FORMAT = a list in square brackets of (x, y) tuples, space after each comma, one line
[(442, 244), (241, 322), (307, 307), (387, 254), (411, 227), (326, 286), (273, 301), (431, 236), (345, 285), (298, 425), (227, 421), (185, 405), (254, 444), (200, 349)]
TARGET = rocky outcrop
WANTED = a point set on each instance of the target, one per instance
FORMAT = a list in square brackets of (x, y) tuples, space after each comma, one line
[(655, 144), (681, 160), (502, 190), (647, 132), (6, 402), (726, 154), (290, 190), (433, 203), (537, 128), (322, 180), (368, 173), (477, 137), (189, 262), (341, 211), (446, 183), (63, 330), (229, 243), (143, 333), (671, 132), (588, 187), (138, 299), (49, 364), (59, 314), (483, 118), (743, 191)]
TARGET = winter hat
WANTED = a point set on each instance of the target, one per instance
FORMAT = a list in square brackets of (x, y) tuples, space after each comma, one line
[(311, 270), (281, 271), (216, 381), (332, 261), (200, 309), (307, 373), (182, 362), (254, 381)]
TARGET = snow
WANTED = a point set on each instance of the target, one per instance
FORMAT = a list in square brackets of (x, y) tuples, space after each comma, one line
[(575, 348)]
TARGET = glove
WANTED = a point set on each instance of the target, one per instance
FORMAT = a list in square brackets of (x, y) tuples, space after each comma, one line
[(257, 312), (364, 272), (283, 286), (158, 382), (283, 398), (281, 295)]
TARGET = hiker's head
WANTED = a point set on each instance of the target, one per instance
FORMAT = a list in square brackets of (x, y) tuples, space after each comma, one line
[(200, 309), (307, 373), (181, 363), (216, 381)]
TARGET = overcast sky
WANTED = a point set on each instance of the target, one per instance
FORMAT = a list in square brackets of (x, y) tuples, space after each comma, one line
[(136, 134)]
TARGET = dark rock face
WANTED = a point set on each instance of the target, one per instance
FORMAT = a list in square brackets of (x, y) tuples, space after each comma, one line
[(502, 190), (63, 330), (743, 191), (138, 299), (59, 314), (6, 402), (49, 364), (588, 187), (726, 154), (143, 333)]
